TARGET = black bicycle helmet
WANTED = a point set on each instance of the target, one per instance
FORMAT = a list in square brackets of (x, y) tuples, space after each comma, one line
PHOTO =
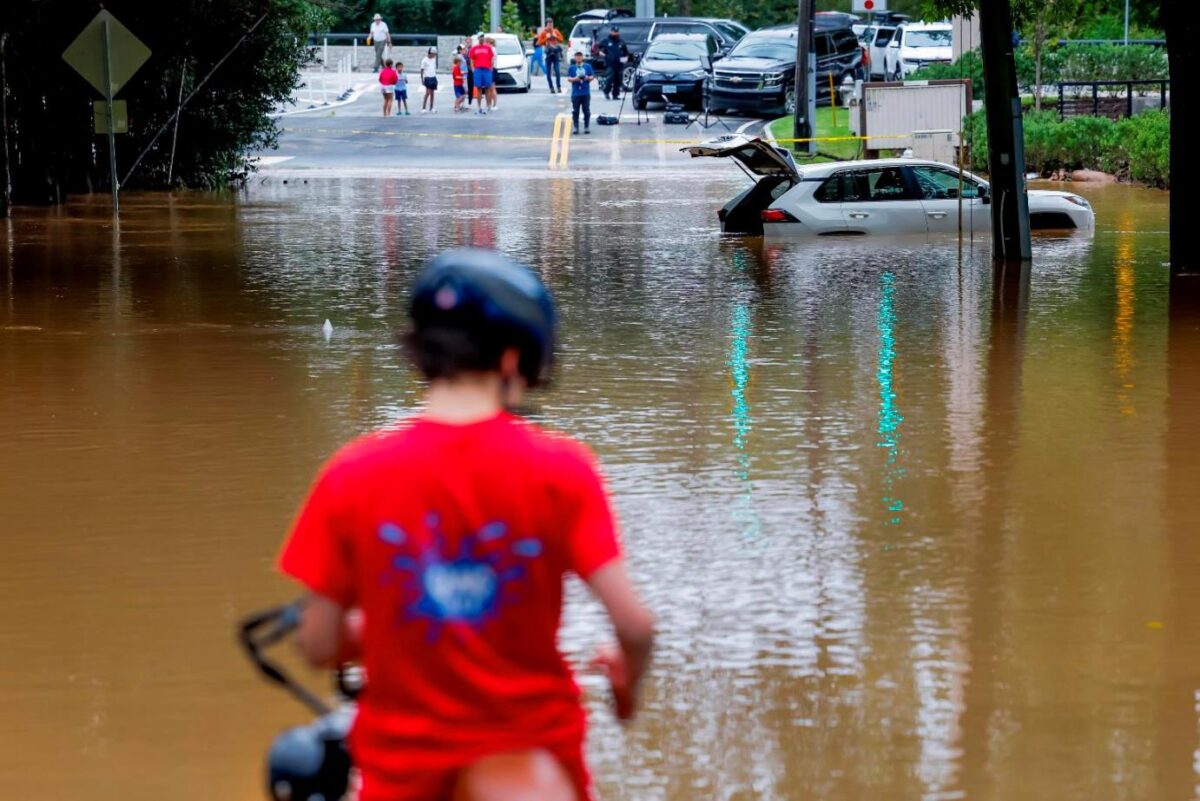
[(490, 295)]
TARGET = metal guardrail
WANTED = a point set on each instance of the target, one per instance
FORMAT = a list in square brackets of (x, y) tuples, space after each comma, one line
[(1150, 42), (398, 39), (327, 86), (1096, 97)]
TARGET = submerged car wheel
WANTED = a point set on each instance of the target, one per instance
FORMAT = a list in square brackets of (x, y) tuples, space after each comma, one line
[(789, 102)]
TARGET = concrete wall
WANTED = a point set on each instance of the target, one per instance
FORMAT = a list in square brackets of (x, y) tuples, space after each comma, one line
[(363, 57)]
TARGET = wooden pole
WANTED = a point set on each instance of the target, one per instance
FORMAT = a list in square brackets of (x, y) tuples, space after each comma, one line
[(1006, 134)]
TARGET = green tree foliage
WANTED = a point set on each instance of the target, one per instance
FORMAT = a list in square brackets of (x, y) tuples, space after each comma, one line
[(510, 17), (52, 149)]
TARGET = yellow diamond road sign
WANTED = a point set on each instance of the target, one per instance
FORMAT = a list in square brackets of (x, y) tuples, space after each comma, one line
[(126, 54)]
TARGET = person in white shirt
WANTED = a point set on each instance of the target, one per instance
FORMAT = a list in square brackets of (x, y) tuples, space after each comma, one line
[(381, 38), (429, 79)]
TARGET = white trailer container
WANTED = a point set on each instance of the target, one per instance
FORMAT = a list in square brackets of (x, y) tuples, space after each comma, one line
[(890, 113)]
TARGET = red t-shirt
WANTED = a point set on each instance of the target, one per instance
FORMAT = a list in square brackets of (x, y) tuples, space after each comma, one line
[(457, 75), (388, 76), (454, 541), (481, 57)]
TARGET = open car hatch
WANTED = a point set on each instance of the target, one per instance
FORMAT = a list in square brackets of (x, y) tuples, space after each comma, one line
[(757, 156)]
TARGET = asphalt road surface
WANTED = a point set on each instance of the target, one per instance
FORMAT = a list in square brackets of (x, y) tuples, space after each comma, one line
[(354, 137)]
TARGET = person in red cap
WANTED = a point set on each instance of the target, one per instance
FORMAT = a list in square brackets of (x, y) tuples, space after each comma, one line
[(435, 552)]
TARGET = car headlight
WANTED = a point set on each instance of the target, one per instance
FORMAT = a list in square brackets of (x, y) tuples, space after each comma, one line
[(773, 78), (1077, 200), (691, 76)]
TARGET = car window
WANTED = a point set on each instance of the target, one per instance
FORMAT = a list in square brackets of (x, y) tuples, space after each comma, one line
[(671, 27), (774, 48), (676, 50), (579, 31), (630, 31), (940, 184), (887, 183), (830, 191), (883, 36), (845, 42), (850, 186), (928, 39), (732, 31), (508, 47), (822, 45)]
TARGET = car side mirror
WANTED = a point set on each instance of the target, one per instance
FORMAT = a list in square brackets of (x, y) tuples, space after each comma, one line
[(894, 43)]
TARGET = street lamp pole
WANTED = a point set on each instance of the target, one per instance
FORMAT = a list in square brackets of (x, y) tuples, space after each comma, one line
[(1127, 23)]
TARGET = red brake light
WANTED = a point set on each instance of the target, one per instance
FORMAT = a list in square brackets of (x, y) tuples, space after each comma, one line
[(774, 215)]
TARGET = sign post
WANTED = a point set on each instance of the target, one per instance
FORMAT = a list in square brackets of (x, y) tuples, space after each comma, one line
[(868, 6), (107, 55)]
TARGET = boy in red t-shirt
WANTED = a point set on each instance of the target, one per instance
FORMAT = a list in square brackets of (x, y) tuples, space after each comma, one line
[(435, 552), (460, 91)]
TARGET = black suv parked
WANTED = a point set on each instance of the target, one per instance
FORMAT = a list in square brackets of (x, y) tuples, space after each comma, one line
[(638, 32), (758, 75)]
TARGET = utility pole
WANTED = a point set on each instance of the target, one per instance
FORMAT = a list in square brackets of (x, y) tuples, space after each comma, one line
[(804, 84), (1006, 134), (494, 7)]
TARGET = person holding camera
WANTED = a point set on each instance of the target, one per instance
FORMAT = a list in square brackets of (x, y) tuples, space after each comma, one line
[(580, 75)]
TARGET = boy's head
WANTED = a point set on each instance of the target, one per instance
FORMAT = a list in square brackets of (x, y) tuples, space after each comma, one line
[(387, 62), (399, 66), (578, 56), (477, 311)]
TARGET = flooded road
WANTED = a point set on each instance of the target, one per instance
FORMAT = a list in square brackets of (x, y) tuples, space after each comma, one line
[(910, 532)]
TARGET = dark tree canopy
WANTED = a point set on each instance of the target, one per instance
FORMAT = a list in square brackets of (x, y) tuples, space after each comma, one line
[(51, 148)]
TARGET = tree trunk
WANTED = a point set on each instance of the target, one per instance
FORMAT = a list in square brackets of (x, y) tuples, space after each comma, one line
[(1037, 75), (1182, 28), (1039, 42)]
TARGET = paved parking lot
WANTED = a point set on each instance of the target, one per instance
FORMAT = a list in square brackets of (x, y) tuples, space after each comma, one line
[(354, 136)]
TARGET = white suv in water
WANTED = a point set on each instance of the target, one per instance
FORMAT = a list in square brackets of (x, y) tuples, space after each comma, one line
[(917, 45), (881, 196)]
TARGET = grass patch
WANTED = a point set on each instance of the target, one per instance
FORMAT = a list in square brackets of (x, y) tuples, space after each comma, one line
[(836, 151)]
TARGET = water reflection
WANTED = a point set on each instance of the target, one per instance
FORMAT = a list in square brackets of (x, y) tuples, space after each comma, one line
[(981, 633), (889, 415)]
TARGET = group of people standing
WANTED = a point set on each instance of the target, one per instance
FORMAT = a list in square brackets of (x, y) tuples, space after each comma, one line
[(474, 71)]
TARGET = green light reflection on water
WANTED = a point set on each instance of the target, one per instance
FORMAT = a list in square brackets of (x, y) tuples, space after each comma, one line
[(890, 417), (741, 329)]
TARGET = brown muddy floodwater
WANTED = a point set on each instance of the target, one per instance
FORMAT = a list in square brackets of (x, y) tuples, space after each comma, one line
[(908, 536)]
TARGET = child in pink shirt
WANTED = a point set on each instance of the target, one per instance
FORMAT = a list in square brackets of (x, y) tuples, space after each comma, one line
[(387, 84)]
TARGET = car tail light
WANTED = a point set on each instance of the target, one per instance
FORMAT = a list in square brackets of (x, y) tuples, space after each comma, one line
[(776, 215)]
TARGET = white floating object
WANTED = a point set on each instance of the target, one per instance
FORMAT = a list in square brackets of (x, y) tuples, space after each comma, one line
[(327, 330)]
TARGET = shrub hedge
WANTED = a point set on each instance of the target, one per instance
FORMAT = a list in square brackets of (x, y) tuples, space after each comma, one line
[(1065, 63), (1138, 147)]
